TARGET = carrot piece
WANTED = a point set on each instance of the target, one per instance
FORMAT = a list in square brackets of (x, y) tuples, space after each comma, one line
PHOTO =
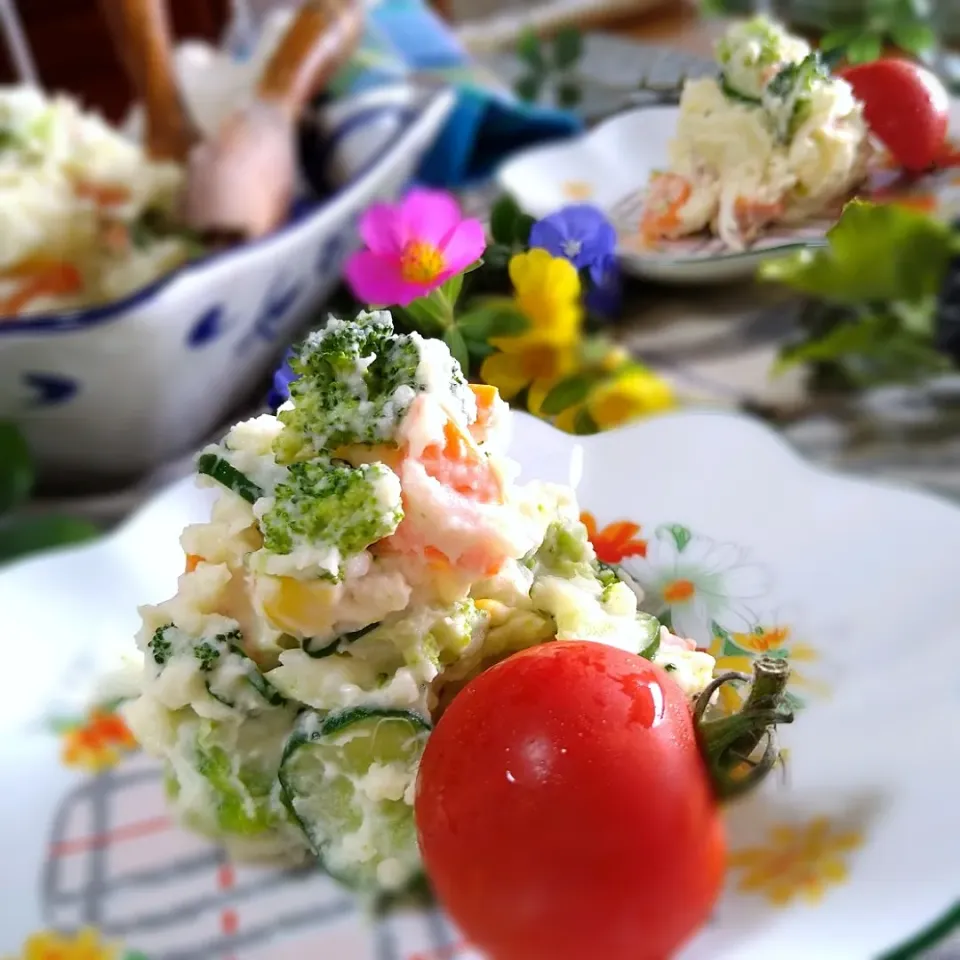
[(102, 194), (193, 561), (665, 199), (41, 278)]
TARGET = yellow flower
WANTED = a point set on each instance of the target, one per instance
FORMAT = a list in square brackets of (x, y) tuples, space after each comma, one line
[(85, 945), (547, 293), (799, 861), (762, 640), (627, 396)]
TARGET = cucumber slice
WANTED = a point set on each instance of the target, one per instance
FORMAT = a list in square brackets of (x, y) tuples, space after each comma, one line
[(311, 649), (651, 627), (226, 474), (234, 676), (343, 778), (732, 93)]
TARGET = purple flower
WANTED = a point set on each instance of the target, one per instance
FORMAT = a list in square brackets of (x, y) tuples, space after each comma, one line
[(605, 294), (284, 376), (579, 233)]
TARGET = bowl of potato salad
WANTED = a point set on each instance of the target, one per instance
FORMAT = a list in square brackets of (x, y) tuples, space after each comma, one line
[(369, 552)]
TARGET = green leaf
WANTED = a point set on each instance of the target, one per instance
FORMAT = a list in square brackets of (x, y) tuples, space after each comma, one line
[(874, 253), (915, 38), (495, 317), (865, 48), (529, 88), (521, 229), (584, 424), (503, 220), (497, 256), (453, 338), (31, 534), (530, 51), (451, 290), (479, 350), (567, 393), (569, 94), (680, 534), (16, 468), (429, 315), (567, 47), (839, 39)]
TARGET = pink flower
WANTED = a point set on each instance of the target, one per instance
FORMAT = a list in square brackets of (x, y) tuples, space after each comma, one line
[(412, 248)]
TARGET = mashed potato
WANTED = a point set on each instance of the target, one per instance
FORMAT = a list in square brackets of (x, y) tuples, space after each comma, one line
[(370, 552), (776, 139), (84, 215)]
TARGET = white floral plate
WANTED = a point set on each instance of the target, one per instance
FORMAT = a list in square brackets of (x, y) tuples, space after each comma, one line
[(751, 550), (610, 165)]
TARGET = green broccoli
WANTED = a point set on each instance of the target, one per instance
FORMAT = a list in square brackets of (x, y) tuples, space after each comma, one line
[(356, 380), (160, 646), (331, 503), (787, 98)]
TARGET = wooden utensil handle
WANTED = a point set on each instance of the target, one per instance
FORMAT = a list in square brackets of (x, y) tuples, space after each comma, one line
[(141, 36), (321, 38)]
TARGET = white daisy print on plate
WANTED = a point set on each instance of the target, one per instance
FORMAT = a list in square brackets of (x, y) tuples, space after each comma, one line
[(697, 582)]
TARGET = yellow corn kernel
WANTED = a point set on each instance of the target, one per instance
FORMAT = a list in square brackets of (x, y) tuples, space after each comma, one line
[(495, 610), (301, 607)]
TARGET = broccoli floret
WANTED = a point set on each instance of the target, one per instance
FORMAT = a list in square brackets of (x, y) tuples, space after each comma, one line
[(356, 380), (334, 504), (787, 98), (160, 646)]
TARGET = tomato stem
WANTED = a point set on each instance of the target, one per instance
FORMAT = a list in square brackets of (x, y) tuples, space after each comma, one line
[(729, 743)]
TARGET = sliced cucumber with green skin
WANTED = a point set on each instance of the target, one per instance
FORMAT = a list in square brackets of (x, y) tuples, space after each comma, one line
[(267, 691), (227, 475), (732, 93), (652, 627), (343, 777), (311, 649)]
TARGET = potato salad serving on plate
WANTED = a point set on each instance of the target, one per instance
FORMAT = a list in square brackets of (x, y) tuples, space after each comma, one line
[(370, 552), (775, 139)]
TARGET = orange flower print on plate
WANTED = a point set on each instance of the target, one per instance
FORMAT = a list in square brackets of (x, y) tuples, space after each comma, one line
[(800, 861), (96, 742), (86, 944), (616, 541)]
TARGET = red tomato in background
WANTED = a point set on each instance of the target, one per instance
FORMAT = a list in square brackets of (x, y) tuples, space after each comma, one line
[(906, 107), (564, 812)]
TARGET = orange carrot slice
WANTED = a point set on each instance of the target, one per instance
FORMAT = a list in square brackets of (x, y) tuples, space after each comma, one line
[(193, 561), (102, 194), (665, 199), (41, 278)]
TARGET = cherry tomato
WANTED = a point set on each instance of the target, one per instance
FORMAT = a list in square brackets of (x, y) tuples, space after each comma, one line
[(906, 107), (564, 812)]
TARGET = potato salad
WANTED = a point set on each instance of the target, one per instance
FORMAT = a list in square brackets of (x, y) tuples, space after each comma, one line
[(776, 139), (370, 551)]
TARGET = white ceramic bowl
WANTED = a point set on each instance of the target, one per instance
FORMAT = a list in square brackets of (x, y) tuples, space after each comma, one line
[(109, 392)]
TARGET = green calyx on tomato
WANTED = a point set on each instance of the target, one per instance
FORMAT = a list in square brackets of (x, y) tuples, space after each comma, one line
[(729, 743)]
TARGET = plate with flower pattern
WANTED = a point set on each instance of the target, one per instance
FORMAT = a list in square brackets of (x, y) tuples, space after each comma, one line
[(610, 165), (854, 854)]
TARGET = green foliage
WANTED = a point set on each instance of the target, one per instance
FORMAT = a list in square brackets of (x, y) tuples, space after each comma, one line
[(21, 536), (550, 64)]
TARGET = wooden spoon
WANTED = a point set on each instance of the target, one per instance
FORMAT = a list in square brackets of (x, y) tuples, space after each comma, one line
[(140, 30), (241, 182)]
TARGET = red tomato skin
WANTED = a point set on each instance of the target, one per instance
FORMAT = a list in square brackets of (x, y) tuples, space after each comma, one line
[(564, 811), (906, 107)]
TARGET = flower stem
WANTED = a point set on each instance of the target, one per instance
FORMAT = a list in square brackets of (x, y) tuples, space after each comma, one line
[(728, 743)]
